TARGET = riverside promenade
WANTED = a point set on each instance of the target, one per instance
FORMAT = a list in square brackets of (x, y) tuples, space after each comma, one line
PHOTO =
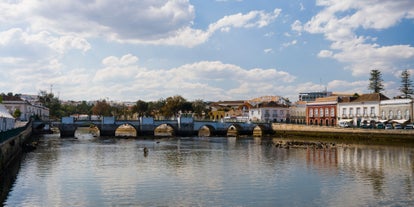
[(351, 134)]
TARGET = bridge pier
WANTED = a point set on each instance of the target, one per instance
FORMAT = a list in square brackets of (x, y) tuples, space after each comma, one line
[(146, 126), (185, 126), (67, 130)]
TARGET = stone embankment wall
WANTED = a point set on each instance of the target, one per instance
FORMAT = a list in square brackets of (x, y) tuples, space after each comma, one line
[(343, 133), (13, 147)]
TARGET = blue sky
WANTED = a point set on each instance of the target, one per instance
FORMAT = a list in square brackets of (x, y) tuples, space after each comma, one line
[(210, 50)]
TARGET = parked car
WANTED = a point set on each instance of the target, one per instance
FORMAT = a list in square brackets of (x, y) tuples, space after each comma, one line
[(409, 126), (344, 124), (389, 126), (380, 126), (397, 126)]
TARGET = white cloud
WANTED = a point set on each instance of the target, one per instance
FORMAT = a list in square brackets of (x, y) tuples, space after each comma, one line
[(268, 50), (325, 53), (297, 26), (212, 80), (287, 44), (154, 22), (339, 20)]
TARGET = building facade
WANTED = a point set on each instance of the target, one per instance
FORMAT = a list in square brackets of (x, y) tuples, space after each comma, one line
[(322, 112), (397, 110), (297, 113), (361, 110), (269, 112), (27, 109), (312, 96)]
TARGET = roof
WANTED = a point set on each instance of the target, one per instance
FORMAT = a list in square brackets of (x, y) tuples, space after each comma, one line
[(12, 98), (327, 99), (371, 97), (270, 104)]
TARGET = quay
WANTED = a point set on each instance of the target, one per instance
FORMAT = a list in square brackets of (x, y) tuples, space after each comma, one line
[(344, 134), (12, 144)]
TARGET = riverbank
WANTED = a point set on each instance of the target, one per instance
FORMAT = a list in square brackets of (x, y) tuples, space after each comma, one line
[(343, 134), (13, 144)]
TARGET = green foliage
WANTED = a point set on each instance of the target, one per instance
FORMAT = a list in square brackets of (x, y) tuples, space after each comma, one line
[(141, 108), (101, 108), (51, 102), (173, 105), (375, 81), (17, 113)]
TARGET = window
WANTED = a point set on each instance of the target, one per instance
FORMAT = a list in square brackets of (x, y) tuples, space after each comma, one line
[(343, 111), (316, 112), (321, 112), (351, 112), (326, 111), (383, 114), (372, 112), (407, 114), (332, 112), (390, 114), (365, 111), (358, 111), (310, 112), (399, 115)]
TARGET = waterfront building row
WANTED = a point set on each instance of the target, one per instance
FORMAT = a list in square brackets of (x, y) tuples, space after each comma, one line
[(27, 107), (365, 109)]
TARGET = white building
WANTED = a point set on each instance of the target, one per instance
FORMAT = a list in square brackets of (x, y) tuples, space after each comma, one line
[(6, 119), (27, 109), (397, 110), (363, 109), (269, 111)]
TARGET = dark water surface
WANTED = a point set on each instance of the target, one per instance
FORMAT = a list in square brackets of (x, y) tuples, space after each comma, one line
[(217, 171)]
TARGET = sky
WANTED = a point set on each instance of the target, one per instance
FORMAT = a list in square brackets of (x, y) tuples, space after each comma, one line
[(202, 49)]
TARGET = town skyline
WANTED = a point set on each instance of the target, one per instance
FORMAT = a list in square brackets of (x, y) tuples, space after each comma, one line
[(215, 50)]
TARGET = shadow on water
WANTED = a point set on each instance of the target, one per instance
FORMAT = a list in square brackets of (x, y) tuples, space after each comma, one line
[(7, 179)]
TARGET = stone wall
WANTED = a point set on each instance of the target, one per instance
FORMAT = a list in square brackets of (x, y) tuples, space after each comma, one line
[(13, 147), (278, 127)]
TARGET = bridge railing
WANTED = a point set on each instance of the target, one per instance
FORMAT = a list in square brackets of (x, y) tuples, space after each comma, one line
[(4, 136)]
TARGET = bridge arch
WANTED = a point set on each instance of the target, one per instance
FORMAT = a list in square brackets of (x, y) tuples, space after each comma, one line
[(206, 131), (233, 130), (259, 130), (165, 129), (126, 130), (87, 131)]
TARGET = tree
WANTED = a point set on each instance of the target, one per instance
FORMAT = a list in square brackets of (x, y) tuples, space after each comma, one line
[(101, 108), (50, 101), (199, 107), (141, 108), (406, 84), (173, 105), (375, 81), (17, 113)]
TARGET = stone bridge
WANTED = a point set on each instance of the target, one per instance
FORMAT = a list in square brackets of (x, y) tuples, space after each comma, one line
[(183, 126)]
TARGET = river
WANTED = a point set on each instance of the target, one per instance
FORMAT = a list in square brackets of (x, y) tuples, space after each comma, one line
[(210, 171)]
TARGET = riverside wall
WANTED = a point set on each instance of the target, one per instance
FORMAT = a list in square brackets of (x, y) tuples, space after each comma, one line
[(351, 134), (13, 147)]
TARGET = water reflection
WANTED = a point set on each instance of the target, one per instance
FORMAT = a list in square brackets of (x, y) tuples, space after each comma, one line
[(210, 171)]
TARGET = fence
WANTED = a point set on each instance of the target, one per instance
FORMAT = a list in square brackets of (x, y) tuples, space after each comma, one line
[(4, 136)]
